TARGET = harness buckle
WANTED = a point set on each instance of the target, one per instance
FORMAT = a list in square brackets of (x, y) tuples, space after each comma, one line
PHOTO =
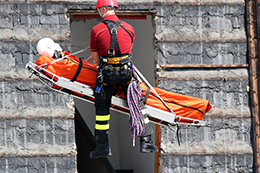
[(125, 60), (111, 52), (113, 31), (104, 59)]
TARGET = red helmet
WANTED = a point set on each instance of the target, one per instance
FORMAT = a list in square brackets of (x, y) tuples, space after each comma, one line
[(110, 3)]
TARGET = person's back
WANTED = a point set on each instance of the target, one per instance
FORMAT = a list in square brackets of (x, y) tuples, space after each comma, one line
[(113, 39), (100, 37)]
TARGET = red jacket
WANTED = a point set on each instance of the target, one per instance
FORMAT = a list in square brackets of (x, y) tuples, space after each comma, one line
[(100, 37)]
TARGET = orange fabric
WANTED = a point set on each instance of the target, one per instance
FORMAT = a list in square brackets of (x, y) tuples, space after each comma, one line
[(68, 67), (181, 105)]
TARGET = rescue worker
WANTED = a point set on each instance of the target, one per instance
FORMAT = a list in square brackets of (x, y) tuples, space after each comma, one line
[(111, 43)]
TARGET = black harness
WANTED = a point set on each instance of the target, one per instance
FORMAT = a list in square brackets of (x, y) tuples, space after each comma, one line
[(113, 29), (114, 74)]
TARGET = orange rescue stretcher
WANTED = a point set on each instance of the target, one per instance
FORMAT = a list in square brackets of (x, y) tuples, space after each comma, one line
[(77, 77)]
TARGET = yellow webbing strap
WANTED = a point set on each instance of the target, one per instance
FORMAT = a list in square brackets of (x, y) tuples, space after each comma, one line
[(115, 60), (102, 117), (102, 127)]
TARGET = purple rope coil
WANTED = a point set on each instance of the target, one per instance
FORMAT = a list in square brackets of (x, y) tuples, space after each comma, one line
[(136, 118)]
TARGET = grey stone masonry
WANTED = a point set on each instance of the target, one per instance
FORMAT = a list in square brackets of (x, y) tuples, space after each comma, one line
[(36, 136), (27, 98), (210, 34), (37, 164), (201, 53), (32, 21), (209, 163), (222, 23), (37, 124)]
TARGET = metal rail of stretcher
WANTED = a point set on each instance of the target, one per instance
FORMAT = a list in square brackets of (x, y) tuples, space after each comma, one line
[(86, 93)]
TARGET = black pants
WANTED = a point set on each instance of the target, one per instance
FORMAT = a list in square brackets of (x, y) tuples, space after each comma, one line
[(103, 102), (108, 77), (102, 105), (103, 99)]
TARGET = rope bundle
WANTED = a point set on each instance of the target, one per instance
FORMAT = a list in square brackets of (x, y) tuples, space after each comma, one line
[(136, 118)]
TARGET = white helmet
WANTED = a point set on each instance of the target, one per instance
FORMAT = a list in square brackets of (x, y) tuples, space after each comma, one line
[(46, 46)]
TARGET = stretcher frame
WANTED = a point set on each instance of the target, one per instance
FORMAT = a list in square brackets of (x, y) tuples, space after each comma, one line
[(86, 93)]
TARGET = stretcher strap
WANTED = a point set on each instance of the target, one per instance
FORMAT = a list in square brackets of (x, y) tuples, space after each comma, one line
[(78, 70), (146, 95), (128, 33), (189, 107), (177, 134)]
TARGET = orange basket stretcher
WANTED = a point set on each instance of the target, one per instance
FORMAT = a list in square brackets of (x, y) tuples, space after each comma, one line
[(60, 76)]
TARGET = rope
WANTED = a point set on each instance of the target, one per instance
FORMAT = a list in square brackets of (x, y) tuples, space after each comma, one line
[(64, 57), (153, 90), (136, 118)]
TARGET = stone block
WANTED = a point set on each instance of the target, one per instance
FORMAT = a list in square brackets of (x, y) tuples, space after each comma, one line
[(6, 22), (66, 164), (22, 8), (52, 19), (2, 165), (34, 20), (25, 20), (207, 163), (35, 131), (34, 9), (8, 47), (7, 62), (201, 53), (39, 164), (53, 9), (16, 164), (7, 9), (63, 20)]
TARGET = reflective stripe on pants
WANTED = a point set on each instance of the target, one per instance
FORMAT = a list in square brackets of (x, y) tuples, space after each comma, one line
[(102, 122)]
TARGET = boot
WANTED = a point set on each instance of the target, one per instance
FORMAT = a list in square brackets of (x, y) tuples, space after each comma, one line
[(146, 144), (102, 148)]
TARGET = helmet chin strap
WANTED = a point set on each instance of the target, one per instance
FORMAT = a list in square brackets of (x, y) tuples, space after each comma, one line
[(110, 11)]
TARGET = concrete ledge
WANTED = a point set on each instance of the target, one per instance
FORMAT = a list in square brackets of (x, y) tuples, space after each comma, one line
[(34, 34), (203, 74), (188, 34)]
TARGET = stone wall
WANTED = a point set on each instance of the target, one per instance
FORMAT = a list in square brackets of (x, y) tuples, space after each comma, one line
[(37, 124), (208, 34), (37, 128)]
